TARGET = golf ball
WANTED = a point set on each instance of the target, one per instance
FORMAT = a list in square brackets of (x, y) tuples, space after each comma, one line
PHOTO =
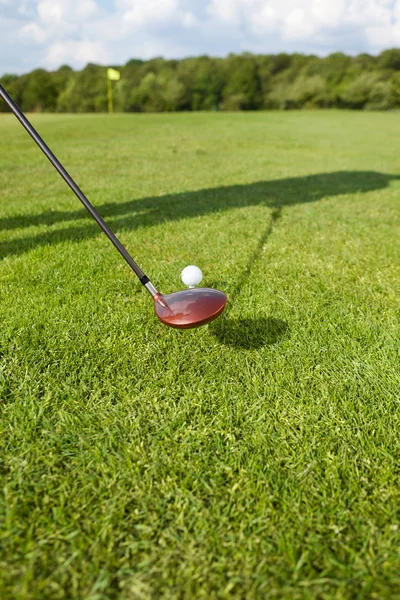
[(191, 276)]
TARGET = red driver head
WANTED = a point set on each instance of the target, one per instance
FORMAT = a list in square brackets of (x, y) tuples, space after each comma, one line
[(189, 308)]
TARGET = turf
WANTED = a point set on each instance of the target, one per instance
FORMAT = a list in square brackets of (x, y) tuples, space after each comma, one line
[(257, 457)]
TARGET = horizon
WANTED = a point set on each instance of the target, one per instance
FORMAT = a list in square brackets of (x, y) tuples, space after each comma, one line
[(211, 56)]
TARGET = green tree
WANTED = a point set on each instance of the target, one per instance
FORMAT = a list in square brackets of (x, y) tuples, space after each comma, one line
[(280, 62), (332, 69), (203, 81), (308, 92), (61, 78), (243, 88), (147, 96), (381, 97), (39, 92), (131, 75), (356, 94), (389, 59), (395, 83), (86, 91), (237, 82), (304, 92), (9, 81)]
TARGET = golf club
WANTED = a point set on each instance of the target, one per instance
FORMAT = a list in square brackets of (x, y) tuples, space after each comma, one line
[(182, 310)]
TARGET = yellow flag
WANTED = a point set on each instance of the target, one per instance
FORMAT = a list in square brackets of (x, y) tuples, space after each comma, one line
[(113, 75)]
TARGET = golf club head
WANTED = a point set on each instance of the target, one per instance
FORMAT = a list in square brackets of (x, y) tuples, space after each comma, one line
[(189, 308)]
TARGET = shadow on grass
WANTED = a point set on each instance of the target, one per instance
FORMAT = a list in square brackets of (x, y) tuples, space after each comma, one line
[(249, 333), (148, 212)]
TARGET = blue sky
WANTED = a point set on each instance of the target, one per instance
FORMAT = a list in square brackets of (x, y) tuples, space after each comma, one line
[(49, 33)]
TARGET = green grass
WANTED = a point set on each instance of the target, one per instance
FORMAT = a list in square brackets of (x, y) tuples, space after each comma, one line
[(258, 457)]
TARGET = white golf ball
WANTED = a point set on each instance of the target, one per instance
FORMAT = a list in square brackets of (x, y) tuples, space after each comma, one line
[(191, 276)]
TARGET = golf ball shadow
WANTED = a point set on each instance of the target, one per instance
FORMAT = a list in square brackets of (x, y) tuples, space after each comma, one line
[(249, 332)]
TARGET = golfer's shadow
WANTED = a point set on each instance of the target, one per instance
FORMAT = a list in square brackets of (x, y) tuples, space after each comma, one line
[(250, 333), (149, 212)]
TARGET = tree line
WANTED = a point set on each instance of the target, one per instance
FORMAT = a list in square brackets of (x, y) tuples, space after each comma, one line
[(237, 82)]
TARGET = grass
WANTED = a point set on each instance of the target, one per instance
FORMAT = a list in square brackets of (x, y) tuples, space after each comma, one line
[(257, 457)]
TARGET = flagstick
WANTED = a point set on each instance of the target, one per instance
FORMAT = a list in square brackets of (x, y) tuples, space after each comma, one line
[(110, 98)]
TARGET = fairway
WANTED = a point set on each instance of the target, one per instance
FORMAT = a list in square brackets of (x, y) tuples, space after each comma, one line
[(255, 458)]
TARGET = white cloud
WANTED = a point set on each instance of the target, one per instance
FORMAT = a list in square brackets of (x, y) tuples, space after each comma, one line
[(55, 11), (383, 37), (224, 10), (145, 13), (75, 52), (298, 25), (265, 21), (328, 12), (189, 20), (34, 32), (58, 20), (76, 31), (300, 19)]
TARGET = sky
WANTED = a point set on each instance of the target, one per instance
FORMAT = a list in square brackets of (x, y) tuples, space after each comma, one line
[(49, 33)]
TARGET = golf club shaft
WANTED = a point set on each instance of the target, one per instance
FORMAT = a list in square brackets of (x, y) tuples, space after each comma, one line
[(77, 191)]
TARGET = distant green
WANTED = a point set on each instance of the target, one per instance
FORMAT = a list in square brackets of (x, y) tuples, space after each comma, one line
[(236, 82), (257, 457)]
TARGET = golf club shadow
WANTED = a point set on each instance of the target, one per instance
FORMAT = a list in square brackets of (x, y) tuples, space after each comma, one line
[(249, 333)]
